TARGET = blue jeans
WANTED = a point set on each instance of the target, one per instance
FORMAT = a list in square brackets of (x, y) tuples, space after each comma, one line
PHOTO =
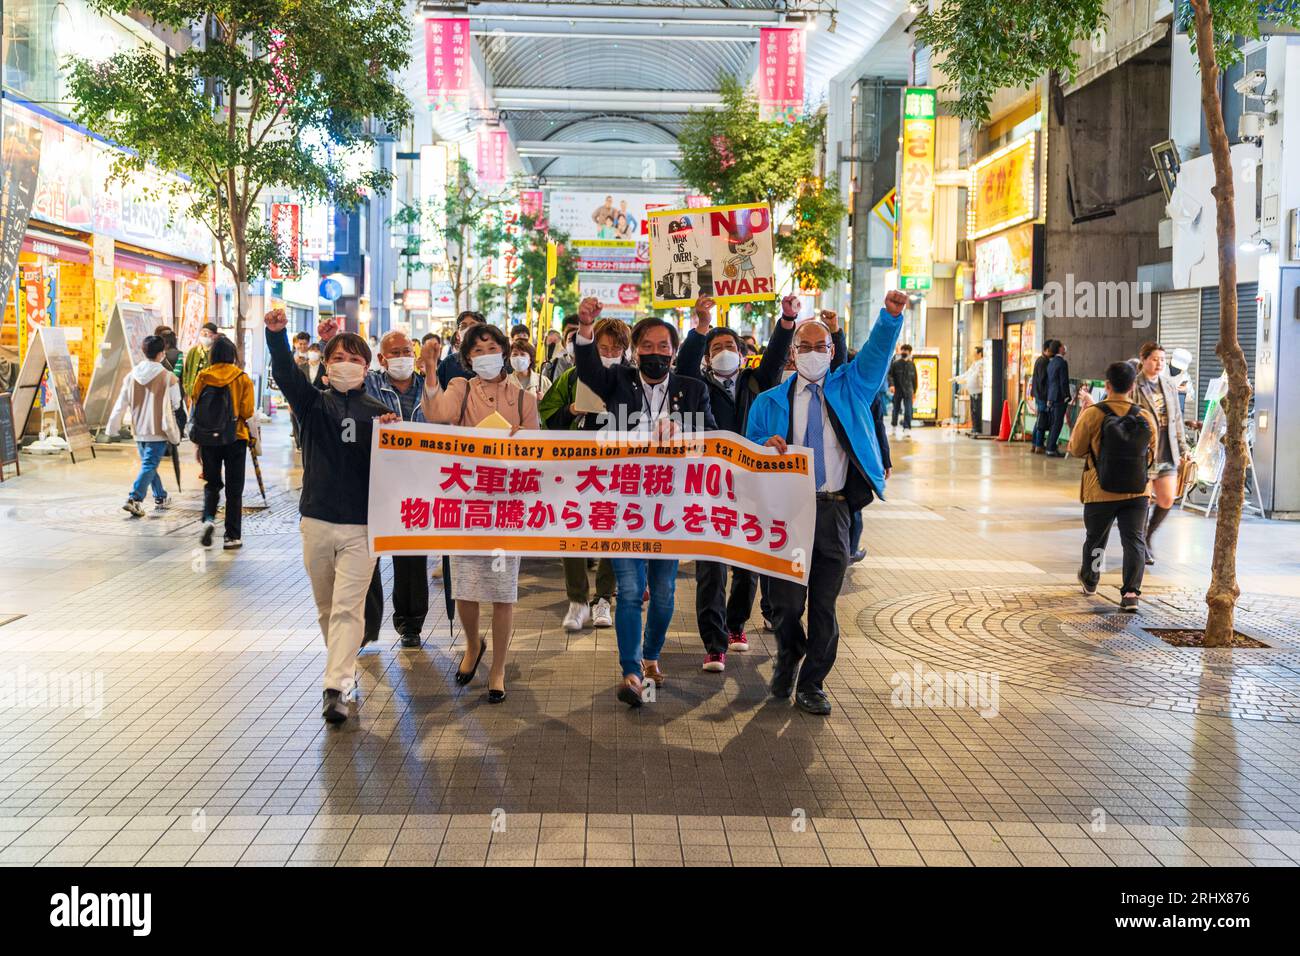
[(855, 532), (1040, 423), (632, 575), (151, 456)]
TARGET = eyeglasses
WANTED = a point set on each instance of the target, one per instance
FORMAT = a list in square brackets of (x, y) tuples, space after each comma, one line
[(803, 348)]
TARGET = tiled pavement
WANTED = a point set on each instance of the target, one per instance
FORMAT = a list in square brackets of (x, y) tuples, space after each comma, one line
[(198, 739)]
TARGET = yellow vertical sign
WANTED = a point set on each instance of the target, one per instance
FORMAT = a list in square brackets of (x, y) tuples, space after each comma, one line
[(548, 303), (916, 190)]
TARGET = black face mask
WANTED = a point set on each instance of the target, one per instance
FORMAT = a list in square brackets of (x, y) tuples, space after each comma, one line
[(653, 367)]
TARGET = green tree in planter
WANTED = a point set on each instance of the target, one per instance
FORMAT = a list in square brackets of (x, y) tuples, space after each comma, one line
[(985, 45), (284, 94), (734, 156)]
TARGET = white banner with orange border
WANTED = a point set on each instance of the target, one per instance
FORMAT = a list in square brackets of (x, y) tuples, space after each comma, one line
[(714, 496)]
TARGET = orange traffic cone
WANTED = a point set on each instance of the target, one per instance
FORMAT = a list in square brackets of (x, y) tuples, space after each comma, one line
[(1004, 430)]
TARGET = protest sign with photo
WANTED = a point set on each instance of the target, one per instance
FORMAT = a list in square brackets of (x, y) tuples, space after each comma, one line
[(714, 496), (721, 251), (615, 215)]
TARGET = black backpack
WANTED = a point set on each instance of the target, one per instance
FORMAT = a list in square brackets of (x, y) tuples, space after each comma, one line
[(213, 419), (1121, 462)]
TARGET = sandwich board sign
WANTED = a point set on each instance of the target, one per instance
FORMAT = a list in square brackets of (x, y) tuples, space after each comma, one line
[(720, 251), (8, 437), (48, 352), (121, 350)]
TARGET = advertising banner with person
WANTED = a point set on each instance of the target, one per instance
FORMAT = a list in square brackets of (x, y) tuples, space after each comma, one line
[(721, 251), (616, 215), (439, 489), (20, 163)]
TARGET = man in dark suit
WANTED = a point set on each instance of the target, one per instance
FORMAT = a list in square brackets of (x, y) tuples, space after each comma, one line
[(732, 390), (1058, 398), (829, 413), (1038, 392), (450, 367), (649, 398)]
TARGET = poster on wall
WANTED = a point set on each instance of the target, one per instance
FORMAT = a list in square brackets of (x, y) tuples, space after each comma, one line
[(721, 251), (194, 307), (613, 215), (20, 163), (39, 288), (1005, 262), (925, 404), (916, 191)]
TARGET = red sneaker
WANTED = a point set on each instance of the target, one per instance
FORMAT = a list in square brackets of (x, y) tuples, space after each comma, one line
[(737, 642), (715, 662)]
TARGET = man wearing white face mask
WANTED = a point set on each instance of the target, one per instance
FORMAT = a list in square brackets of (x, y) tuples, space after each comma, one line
[(400, 387), (732, 390), (829, 413)]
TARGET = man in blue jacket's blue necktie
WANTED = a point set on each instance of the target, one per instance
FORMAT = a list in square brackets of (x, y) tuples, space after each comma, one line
[(830, 414)]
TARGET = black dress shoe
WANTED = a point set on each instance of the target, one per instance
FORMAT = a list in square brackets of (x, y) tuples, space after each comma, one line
[(496, 696), (1151, 556), (335, 710), (461, 677), (813, 701), (857, 556), (411, 640), (1053, 454)]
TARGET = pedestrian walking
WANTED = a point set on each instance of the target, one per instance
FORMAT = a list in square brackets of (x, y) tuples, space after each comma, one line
[(151, 396), (223, 407), (902, 386)]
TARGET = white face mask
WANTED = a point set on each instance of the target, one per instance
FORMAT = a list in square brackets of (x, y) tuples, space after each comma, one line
[(725, 362), (206, 341), (401, 367), (313, 358), (345, 376), (609, 362), (813, 365), (520, 363), (487, 366)]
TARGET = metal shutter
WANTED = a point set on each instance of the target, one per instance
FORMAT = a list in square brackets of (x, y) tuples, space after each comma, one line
[(1247, 328), (1180, 328)]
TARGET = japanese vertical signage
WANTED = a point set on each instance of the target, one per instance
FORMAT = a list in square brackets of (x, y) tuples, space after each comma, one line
[(916, 190), (446, 61), (492, 155), (780, 72), (20, 164), (530, 203), (1003, 188), (713, 496), (286, 233), (433, 202)]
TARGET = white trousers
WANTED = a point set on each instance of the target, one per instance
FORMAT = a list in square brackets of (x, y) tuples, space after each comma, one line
[(339, 563)]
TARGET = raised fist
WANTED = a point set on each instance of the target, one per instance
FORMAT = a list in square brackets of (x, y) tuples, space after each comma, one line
[(703, 305), (326, 329), (895, 302), (790, 306), (831, 320), (430, 353), (588, 310), (276, 320)]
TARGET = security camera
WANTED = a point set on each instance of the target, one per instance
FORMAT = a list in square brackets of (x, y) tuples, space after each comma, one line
[(1251, 82)]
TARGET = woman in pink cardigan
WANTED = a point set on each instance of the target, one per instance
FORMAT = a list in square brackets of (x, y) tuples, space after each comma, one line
[(481, 578)]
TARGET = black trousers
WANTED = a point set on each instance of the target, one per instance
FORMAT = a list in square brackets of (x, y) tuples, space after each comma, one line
[(817, 647), (1131, 513), (720, 616), (1056, 418), (902, 403), (230, 460), (410, 595)]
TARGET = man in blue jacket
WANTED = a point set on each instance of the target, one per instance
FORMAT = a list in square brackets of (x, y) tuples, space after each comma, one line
[(830, 414), (398, 385)]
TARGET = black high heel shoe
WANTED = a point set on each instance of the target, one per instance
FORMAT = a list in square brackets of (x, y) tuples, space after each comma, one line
[(462, 678), (496, 696)]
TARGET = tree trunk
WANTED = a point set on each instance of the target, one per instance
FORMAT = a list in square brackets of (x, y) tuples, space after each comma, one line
[(1221, 597)]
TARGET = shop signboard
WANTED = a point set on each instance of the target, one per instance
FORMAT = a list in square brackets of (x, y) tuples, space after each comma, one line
[(8, 436), (447, 62), (102, 253), (611, 215), (20, 152), (286, 234), (316, 223), (49, 353), (434, 167), (721, 251), (619, 296), (120, 349), (917, 188), (610, 255), (492, 144), (1007, 262), (530, 203), (416, 300), (194, 309), (925, 404), (887, 210), (1003, 189), (780, 79)]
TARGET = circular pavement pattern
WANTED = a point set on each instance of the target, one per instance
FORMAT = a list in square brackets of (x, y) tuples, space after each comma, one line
[(1059, 641), (105, 515)]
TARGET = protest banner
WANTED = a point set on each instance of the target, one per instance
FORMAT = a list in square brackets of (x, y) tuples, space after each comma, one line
[(720, 251), (711, 496)]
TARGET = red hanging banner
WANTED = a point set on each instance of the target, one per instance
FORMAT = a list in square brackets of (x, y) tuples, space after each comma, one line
[(446, 61), (492, 155), (286, 233), (780, 73)]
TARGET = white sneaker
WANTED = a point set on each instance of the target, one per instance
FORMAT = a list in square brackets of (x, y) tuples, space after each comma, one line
[(907, 433), (132, 507), (601, 615), (163, 503), (578, 616)]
